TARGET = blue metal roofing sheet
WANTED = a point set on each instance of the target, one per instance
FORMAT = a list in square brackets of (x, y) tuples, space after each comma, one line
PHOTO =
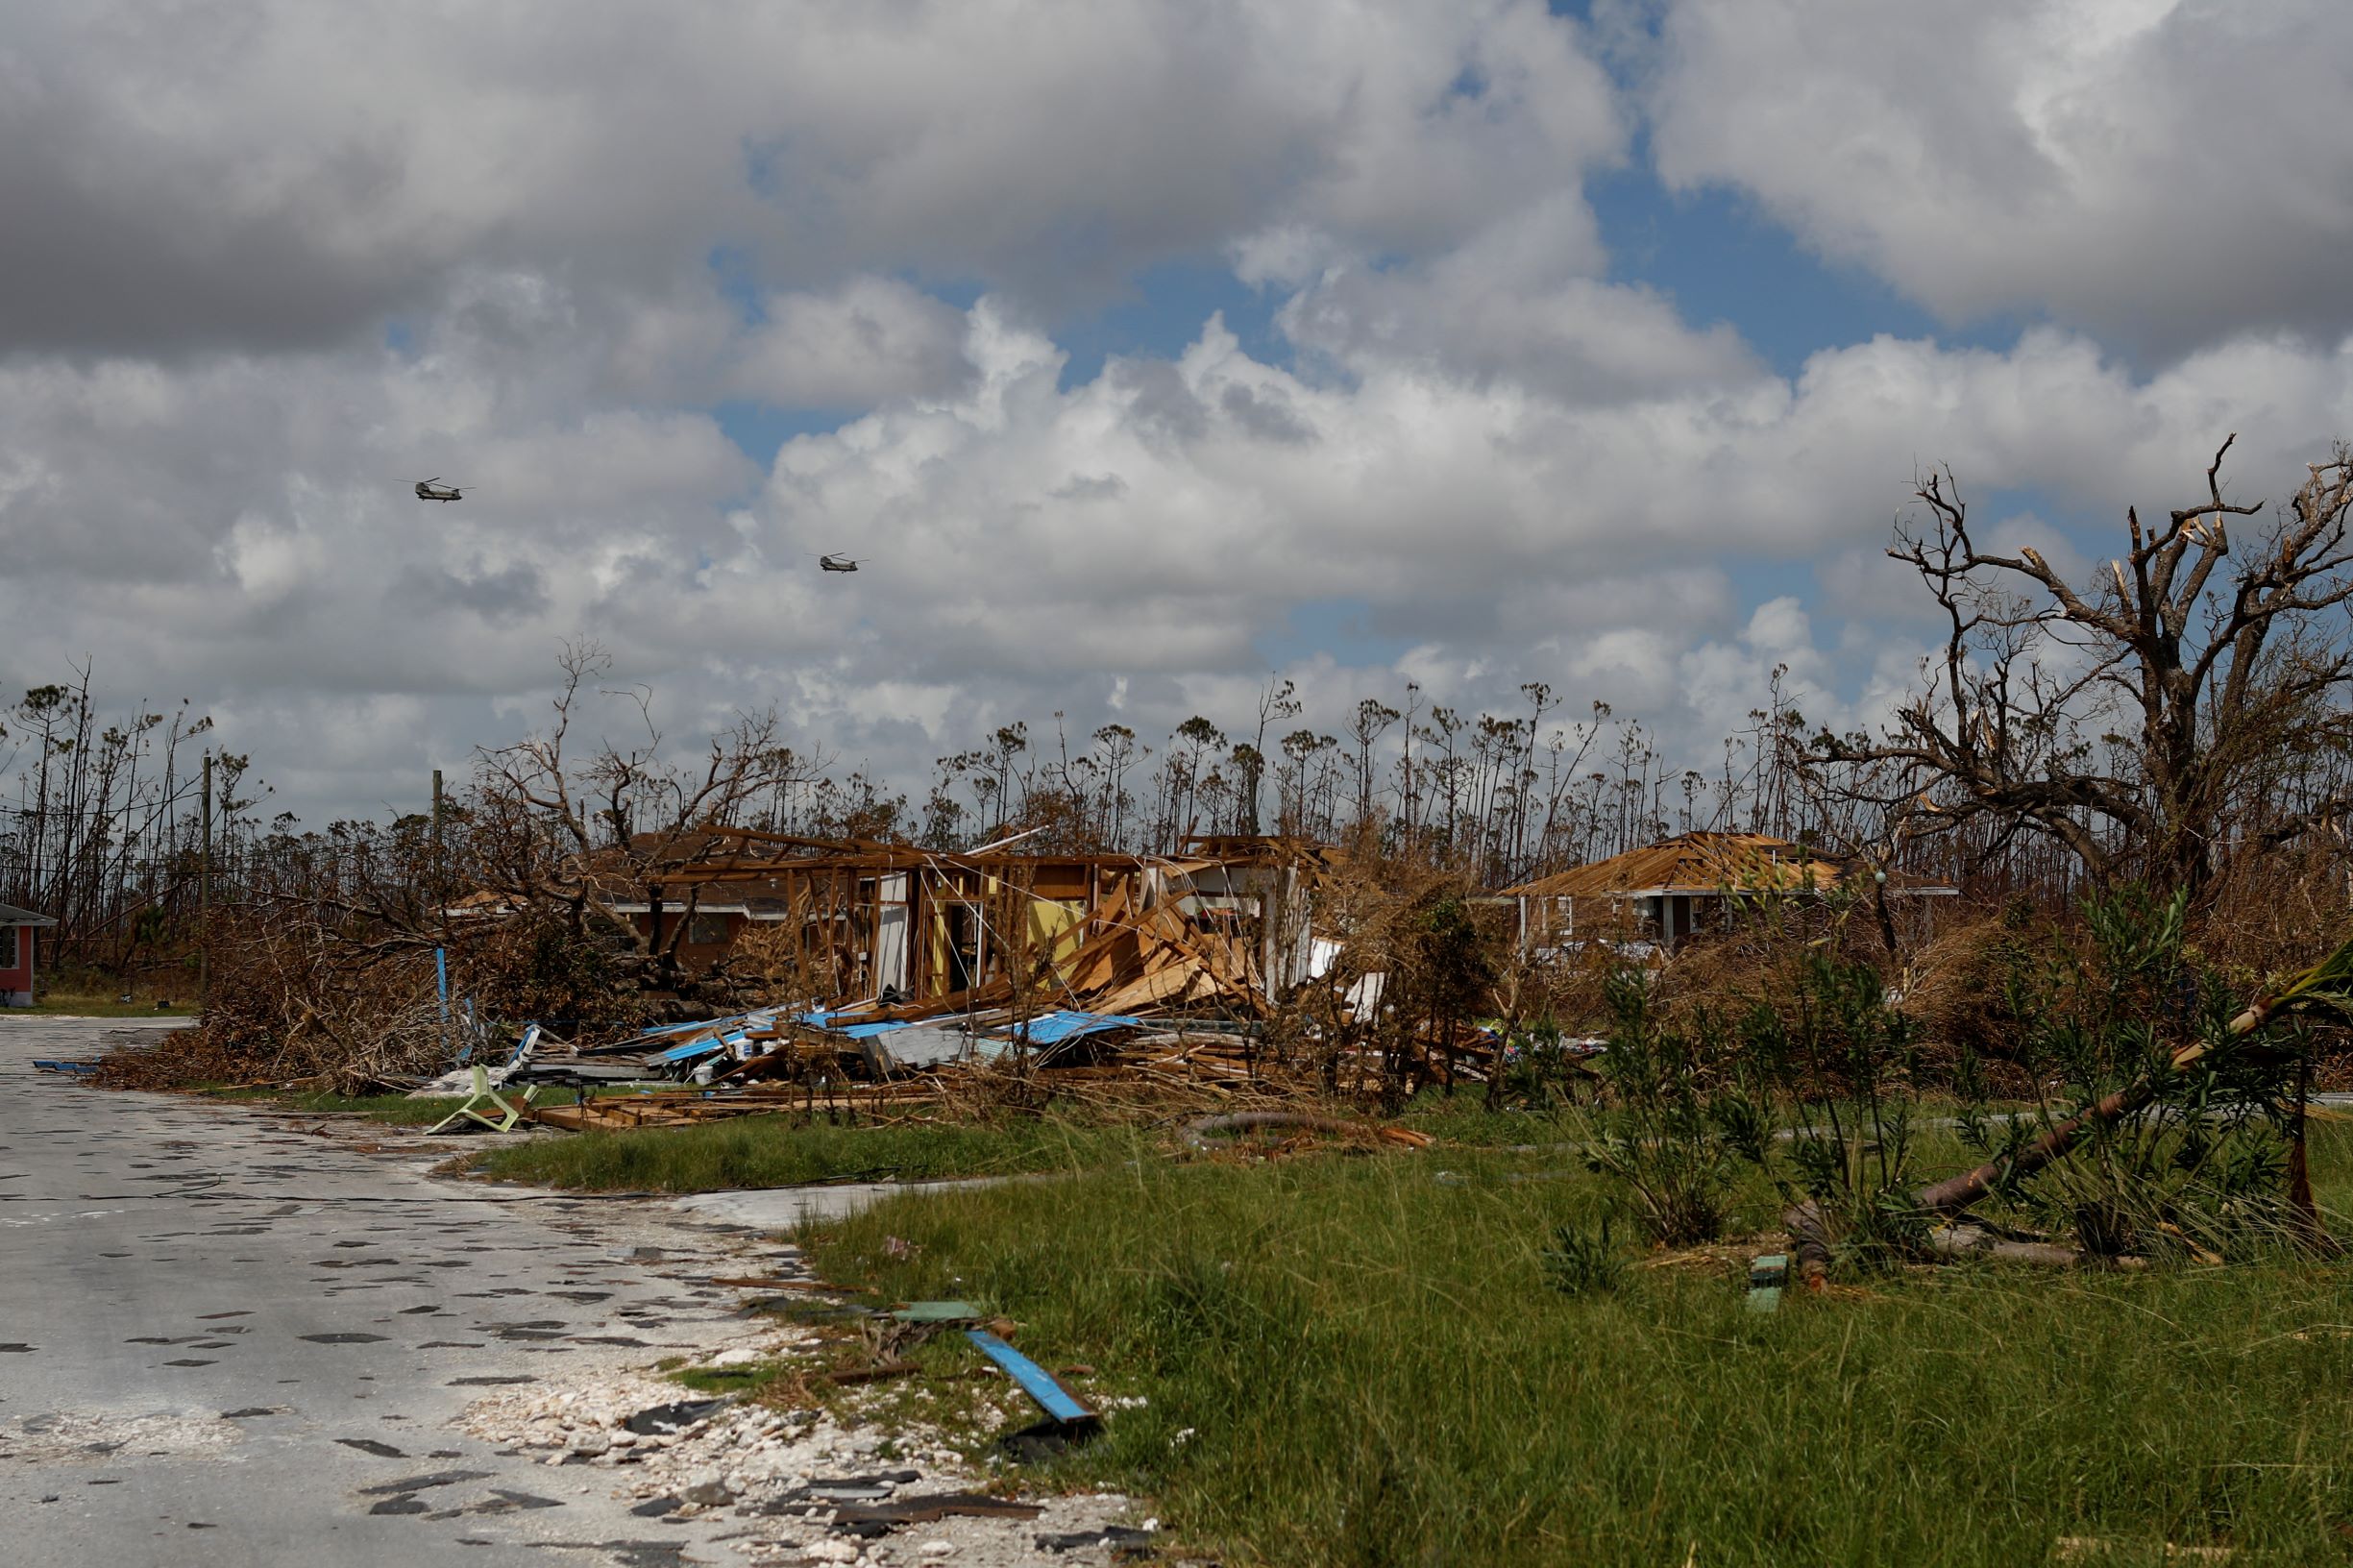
[(1053, 1028)]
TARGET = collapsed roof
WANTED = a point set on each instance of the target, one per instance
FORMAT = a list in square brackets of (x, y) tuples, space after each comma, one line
[(1693, 865)]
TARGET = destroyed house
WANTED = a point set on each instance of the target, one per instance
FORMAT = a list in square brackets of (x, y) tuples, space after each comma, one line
[(1666, 892), (865, 918)]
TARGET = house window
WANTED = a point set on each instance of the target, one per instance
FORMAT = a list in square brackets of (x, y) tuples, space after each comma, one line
[(708, 931), (7, 947)]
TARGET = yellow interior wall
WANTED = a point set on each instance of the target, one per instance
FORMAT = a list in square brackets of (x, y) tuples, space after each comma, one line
[(1056, 927), (1053, 925)]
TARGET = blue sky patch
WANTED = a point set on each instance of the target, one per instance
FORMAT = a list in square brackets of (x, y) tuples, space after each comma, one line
[(1340, 627), (1164, 312), (1722, 259)]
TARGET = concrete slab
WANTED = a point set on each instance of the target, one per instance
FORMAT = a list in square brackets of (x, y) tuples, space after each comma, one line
[(779, 1209)]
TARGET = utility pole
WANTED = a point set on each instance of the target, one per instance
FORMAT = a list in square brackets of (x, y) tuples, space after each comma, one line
[(433, 890), (204, 896)]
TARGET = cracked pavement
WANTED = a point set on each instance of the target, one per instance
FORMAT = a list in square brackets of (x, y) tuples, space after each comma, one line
[(227, 1340)]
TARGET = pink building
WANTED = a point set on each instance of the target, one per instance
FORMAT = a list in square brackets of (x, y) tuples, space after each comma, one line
[(16, 928)]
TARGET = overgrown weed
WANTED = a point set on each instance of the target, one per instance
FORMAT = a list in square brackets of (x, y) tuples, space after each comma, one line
[(1374, 1368), (1581, 1261)]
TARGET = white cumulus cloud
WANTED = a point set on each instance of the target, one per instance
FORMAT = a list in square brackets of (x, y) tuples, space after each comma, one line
[(2166, 171)]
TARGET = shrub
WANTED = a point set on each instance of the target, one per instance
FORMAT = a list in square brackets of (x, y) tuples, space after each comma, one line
[(1581, 1263), (1669, 1138)]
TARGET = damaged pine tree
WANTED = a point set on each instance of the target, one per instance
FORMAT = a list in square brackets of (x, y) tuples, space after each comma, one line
[(2179, 1128), (2166, 1121)]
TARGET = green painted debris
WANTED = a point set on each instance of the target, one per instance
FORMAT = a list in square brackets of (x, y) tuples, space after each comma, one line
[(937, 1312)]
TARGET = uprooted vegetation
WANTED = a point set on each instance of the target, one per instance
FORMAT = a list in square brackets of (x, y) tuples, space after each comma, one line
[(2153, 1112), (307, 992)]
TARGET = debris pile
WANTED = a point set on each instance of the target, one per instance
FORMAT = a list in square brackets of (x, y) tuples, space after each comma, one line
[(888, 979), (759, 1063), (975, 977)]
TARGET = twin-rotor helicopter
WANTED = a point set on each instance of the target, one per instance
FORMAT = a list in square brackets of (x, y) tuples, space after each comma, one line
[(434, 489)]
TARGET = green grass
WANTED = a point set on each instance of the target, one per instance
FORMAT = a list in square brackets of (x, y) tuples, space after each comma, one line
[(55, 1004), (1463, 1118), (394, 1110), (1372, 1371), (785, 1151), (728, 1380)]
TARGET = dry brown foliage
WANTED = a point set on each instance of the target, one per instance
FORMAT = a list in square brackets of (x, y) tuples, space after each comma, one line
[(2277, 911), (286, 1005), (1947, 977), (306, 993)]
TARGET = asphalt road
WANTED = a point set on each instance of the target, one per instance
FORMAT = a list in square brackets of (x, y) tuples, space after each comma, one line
[(227, 1340)]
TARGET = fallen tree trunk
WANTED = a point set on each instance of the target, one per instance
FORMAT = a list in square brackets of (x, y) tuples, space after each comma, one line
[(1958, 1192), (2327, 987), (1809, 1237), (1974, 1242), (1810, 1247)]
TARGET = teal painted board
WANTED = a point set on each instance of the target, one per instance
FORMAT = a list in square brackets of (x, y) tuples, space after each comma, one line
[(1766, 1276), (1034, 1380)]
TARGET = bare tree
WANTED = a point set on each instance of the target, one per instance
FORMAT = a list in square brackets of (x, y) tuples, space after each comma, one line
[(627, 818), (1277, 704), (98, 822), (2153, 722), (1373, 718)]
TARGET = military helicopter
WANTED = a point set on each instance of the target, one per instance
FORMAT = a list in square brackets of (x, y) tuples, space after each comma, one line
[(434, 489), (835, 563)]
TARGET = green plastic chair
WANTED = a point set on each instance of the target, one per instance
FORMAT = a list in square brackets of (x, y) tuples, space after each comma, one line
[(509, 1111)]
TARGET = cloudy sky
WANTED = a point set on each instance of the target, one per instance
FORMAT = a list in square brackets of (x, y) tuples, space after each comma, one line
[(1138, 347)]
